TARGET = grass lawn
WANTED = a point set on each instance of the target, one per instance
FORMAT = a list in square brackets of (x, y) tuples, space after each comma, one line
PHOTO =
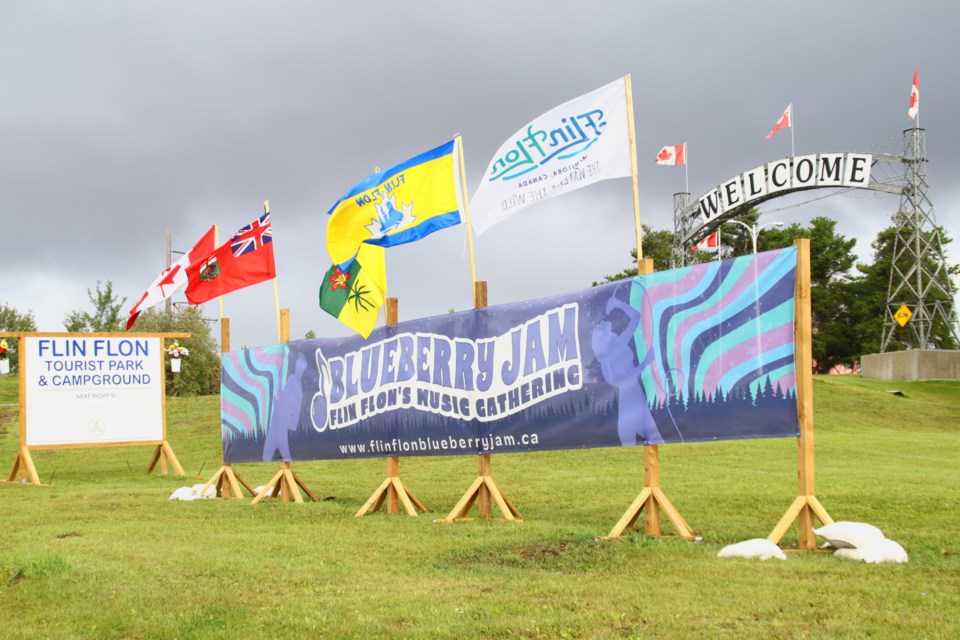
[(103, 553)]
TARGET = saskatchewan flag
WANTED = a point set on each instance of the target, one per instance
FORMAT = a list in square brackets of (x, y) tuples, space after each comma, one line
[(354, 292)]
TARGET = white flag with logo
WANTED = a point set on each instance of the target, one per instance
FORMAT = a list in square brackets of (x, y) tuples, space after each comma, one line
[(576, 144)]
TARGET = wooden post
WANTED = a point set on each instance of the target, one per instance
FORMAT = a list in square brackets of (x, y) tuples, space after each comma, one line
[(806, 506), (652, 498), (484, 489), (226, 479), (393, 490)]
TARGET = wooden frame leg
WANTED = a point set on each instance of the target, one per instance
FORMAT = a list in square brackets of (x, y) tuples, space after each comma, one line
[(23, 467), (653, 499), (394, 492), (483, 490), (164, 455), (228, 483), (285, 485), (804, 509)]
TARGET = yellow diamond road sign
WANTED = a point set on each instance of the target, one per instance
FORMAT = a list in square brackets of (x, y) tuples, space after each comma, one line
[(903, 315)]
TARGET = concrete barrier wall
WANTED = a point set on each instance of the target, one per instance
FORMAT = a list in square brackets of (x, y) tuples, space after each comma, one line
[(916, 364)]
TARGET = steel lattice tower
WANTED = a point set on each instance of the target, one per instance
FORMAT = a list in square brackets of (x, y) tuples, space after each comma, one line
[(919, 277)]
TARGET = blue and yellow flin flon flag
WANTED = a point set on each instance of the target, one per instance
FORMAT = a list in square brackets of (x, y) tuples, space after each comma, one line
[(354, 293), (401, 204)]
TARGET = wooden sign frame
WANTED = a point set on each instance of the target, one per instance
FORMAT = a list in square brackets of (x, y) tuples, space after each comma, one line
[(23, 466)]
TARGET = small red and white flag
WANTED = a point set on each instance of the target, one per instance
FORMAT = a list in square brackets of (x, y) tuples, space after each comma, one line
[(673, 155), (712, 241), (173, 278), (785, 121), (915, 95)]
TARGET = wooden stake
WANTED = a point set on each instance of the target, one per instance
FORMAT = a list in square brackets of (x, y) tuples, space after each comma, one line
[(483, 490), (652, 498), (806, 506), (392, 490)]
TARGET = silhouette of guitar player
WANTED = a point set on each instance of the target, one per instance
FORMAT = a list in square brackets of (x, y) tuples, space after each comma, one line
[(285, 416), (616, 352)]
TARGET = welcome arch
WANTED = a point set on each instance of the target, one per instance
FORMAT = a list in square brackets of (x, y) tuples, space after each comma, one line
[(919, 280), (732, 198)]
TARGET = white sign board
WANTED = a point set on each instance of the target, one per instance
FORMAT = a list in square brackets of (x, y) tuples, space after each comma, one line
[(93, 391)]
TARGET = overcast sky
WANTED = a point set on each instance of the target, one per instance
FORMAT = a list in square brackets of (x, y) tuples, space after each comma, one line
[(119, 120)]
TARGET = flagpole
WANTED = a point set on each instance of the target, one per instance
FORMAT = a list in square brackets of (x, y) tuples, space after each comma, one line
[(793, 125), (466, 209), (686, 171), (276, 291), (633, 167)]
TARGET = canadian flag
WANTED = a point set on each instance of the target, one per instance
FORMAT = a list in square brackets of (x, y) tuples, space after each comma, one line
[(712, 241), (173, 278), (785, 121), (676, 154), (915, 95)]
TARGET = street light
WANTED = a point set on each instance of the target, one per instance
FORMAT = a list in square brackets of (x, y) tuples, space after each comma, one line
[(755, 229)]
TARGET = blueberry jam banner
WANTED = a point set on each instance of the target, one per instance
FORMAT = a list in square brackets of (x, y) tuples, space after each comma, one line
[(704, 352)]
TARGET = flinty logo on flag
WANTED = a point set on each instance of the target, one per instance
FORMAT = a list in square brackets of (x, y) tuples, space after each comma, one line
[(209, 270), (252, 237), (570, 136)]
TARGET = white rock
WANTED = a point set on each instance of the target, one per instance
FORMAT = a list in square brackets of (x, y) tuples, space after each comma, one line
[(756, 548), (183, 493), (875, 552), (849, 535)]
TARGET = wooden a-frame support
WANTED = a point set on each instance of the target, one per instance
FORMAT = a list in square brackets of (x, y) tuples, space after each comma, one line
[(806, 506), (652, 498), (228, 483), (484, 489), (393, 491), (284, 485), (23, 467), (164, 455)]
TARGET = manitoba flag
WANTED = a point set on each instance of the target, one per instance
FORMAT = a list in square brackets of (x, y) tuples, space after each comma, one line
[(914, 107), (673, 155), (785, 121), (244, 260), (710, 242)]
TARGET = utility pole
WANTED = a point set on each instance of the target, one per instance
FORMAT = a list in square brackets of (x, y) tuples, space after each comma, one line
[(169, 302)]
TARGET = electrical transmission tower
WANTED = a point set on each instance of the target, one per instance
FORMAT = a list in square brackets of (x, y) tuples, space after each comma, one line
[(920, 296)]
